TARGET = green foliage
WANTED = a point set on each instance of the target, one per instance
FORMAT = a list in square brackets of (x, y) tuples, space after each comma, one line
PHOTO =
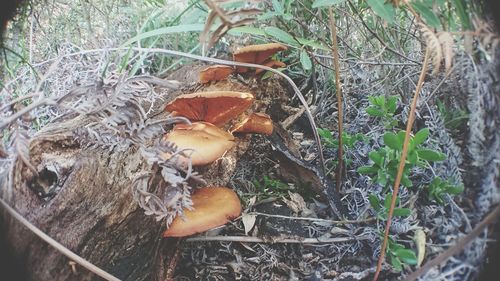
[(439, 187), (453, 119), (382, 209), (383, 108), (399, 255), (382, 9), (332, 142), (271, 187), (386, 159)]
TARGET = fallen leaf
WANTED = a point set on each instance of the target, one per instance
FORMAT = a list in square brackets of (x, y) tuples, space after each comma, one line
[(419, 239), (248, 221)]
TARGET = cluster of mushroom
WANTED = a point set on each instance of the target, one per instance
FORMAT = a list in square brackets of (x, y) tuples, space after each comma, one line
[(256, 54), (215, 117)]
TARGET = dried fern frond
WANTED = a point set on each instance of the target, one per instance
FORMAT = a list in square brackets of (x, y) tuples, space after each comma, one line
[(228, 20), (441, 47)]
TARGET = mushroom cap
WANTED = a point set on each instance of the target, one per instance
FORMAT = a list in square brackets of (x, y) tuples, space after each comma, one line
[(216, 107), (259, 123), (213, 206), (256, 54), (272, 64), (215, 73), (208, 142)]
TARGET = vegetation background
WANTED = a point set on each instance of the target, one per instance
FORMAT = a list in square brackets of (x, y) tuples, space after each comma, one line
[(359, 89)]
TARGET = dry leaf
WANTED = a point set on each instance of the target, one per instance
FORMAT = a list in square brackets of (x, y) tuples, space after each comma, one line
[(419, 239), (248, 221), (296, 202)]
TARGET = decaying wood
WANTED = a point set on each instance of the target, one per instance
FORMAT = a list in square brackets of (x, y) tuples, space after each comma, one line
[(82, 197)]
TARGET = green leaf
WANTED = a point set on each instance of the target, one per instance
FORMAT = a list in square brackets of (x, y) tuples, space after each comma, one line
[(406, 256), (463, 14), (277, 7), (401, 212), (374, 202), (455, 189), (323, 3), (247, 30), (387, 201), (367, 170), (391, 104), (372, 111), (426, 13), (324, 133), (383, 10), (376, 157), (280, 35), (305, 60), (165, 30), (396, 263), (430, 155), (421, 136), (391, 140)]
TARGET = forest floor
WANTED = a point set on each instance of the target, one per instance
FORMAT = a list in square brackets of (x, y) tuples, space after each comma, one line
[(287, 231)]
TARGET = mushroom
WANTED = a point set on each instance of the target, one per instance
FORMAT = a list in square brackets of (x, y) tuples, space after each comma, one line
[(272, 64), (216, 107), (207, 141), (215, 73), (259, 123), (213, 206), (256, 54)]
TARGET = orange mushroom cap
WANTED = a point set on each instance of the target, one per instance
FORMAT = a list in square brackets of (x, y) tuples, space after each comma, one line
[(258, 122), (213, 206), (215, 107), (256, 54), (272, 64), (208, 142), (215, 73)]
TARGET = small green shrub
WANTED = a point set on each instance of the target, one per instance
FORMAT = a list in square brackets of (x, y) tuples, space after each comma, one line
[(399, 255), (439, 187), (384, 108)]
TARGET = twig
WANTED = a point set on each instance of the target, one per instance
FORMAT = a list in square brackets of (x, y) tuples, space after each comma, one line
[(251, 239), (314, 219), (59, 247), (402, 162), (458, 247), (340, 166)]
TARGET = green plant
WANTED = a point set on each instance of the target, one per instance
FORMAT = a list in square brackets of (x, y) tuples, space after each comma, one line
[(454, 118), (332, 142), (439, 187), (399, 255), (384, 108), (382, 209), (386, 159), (271, 187)]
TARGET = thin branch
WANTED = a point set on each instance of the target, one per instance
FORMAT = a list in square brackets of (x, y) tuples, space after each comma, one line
[(402, 162), (335, 47), (315, 219), (251, 239)]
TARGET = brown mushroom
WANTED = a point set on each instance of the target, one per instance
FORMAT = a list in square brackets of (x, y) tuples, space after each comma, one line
[(207, 141), (215, 107), (215, 73), (213, 206), (256, 54), (259, 123), (272, 64)]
